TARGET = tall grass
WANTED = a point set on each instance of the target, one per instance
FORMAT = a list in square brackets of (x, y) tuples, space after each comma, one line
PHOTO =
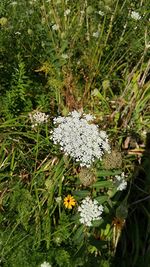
[(60, 56)]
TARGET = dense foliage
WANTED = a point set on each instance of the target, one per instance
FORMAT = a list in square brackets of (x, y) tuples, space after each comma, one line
[(57, 206)]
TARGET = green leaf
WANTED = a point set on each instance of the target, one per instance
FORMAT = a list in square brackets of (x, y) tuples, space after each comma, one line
[(97, 243), (101, 199), (97, 223), (102, 184), (79, 235), (81, 193), (107, 230), (103, 173)]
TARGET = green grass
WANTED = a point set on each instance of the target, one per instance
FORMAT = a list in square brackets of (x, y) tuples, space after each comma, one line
[(90, 61)]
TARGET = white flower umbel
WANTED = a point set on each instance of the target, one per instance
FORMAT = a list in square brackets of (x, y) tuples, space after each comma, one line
[(38, 118), (45, 264), (120, 182), (79, 138), (89, 211), (135, 15)]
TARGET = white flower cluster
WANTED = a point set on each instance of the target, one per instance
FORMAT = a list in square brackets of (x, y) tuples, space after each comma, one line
[(120, 182), (89, 211), (55, 27), (101, 13), (46, 264), (79, 138), (64, 56), (96, 34), (38, 118), (135, 15), (67, 12)]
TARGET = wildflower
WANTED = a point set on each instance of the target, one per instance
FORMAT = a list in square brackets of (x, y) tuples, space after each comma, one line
[(46, 264), (38, 118), (112, 160), (79, 138), (89, 211), (89, 117), (55, 27), (17, 33), (69, 201), (95, 92), (64, 56), (135, 15), (101, 13), (95, 34), (58, 200), (120, 182), (87, 176), (57, 240), (67, 12)]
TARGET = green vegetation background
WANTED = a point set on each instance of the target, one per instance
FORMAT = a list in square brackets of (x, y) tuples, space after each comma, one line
[(96, 59)]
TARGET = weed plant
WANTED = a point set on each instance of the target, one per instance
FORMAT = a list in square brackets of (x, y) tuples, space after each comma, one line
[(91, 57)]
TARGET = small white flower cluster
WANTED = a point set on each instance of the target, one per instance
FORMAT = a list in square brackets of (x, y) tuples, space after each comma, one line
[(64, 56), (17, 33), (38, 118), (46, 264), (58, 200), (89, 211), (96, 34), (55, 27), (67, 12), (101, 13), (135, 15), (120, 182), (79, 138)]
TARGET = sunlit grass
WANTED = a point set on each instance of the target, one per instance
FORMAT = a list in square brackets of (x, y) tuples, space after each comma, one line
[(60, 56)]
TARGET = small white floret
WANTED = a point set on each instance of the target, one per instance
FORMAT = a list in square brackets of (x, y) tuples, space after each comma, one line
[(120, 182), (45, 264), (67, 12), (135, 15)]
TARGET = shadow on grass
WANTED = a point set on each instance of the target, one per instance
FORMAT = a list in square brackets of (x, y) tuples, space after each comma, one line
[(133, 249)]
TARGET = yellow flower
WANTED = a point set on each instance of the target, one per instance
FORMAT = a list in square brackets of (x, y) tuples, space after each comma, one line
[(69, 201)]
